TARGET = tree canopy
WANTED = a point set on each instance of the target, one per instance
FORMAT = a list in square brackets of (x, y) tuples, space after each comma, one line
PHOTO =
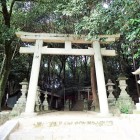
[(88, 17)]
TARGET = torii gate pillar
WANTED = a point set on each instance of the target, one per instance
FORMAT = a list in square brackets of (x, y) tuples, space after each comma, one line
[(104, 110), (29, 110)]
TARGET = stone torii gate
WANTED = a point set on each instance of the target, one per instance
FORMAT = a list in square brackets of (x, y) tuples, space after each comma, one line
[(67, 39)]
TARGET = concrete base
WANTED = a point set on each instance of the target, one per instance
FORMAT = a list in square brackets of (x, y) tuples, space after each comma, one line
[(138, 106), (107, 115), (136, 111), (24, 114), (77, 126)]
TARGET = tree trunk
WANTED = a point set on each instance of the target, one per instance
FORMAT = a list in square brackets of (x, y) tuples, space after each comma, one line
[(64, 72), (7, 46), (93, 84), (3, 82), (86, 68), (4, 76)]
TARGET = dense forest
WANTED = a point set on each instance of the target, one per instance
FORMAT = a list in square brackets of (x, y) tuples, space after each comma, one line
[(88, 17)]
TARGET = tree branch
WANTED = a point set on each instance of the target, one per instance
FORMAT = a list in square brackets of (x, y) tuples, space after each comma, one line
[(2, 65), (5, 13), (11, 7)]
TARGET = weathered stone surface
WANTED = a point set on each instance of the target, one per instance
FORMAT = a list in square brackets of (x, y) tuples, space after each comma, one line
[(4, 116), (77, 126), (8, 128)]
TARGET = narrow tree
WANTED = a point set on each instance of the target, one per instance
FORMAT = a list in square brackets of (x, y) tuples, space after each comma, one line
[(6, 40)]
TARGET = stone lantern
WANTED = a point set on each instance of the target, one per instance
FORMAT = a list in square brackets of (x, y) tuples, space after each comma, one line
[(19, 107), (110, 89), (24, 90), (122, 85), (124, 102)]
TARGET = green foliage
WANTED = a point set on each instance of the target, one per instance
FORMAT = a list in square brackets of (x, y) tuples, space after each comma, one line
[(133, 29), (125, 110), (91, 18), (125, 105), (6, 33)]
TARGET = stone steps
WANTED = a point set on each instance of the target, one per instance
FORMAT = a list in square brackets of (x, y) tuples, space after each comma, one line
[(68, 134), (74, 126)]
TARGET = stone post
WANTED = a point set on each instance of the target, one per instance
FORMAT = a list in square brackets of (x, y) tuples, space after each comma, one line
[(101, 87), (124, 102), (45, 103)]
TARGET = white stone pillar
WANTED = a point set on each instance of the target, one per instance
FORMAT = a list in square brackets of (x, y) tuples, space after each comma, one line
[(100, 79), (34, 78)]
